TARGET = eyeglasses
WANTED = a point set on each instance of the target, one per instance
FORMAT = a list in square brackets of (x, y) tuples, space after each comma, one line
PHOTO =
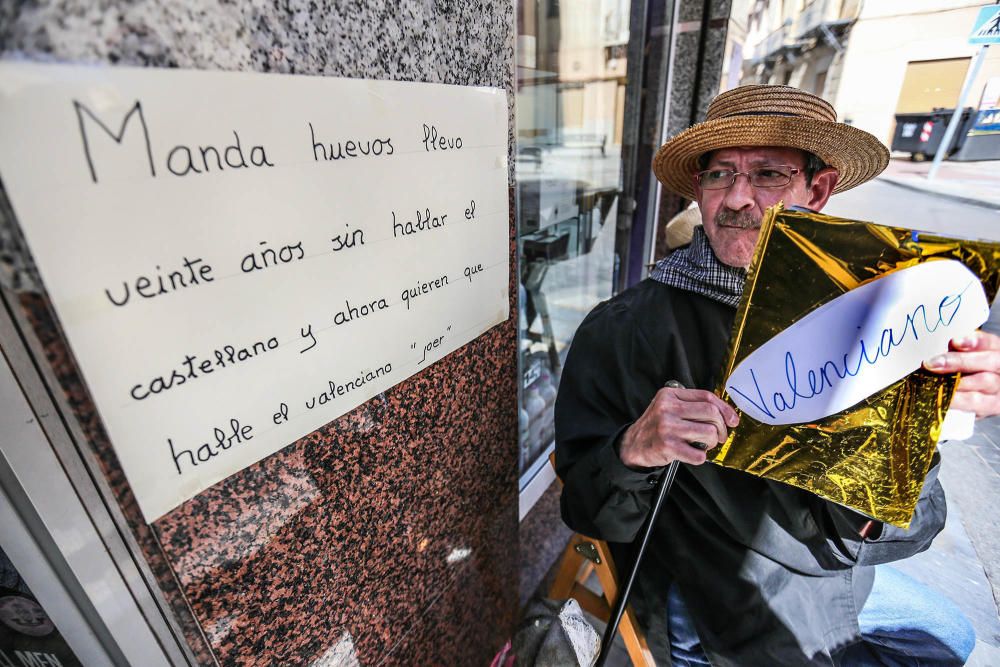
[(771, 176)]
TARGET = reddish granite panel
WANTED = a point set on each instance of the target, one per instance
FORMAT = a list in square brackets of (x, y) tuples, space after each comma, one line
[(394, 526), (469, 620)]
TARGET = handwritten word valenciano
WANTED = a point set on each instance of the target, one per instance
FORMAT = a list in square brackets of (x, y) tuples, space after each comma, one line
[(866, 354), (193, 367), (335, 390)]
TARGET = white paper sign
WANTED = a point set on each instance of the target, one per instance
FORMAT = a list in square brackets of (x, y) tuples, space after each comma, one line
[(859, 343), (238, 259)]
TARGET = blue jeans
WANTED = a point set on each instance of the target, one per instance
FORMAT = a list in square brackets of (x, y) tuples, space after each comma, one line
[(903, 624)]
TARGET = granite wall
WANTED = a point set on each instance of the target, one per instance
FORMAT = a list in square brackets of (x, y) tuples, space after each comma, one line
[(388, 536), (700, 49)]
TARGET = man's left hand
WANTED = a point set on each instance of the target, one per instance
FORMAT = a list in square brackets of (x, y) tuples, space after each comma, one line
[(977, 358)]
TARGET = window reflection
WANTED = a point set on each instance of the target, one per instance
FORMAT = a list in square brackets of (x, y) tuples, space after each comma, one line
[(570, 111)]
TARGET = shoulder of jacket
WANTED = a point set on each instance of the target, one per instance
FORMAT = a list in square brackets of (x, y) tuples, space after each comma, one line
[(647, 305)]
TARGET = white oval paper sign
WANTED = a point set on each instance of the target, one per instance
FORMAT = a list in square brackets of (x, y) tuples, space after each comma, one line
[(859, 343)]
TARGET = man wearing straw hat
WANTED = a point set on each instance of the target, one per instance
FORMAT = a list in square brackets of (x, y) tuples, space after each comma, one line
[(742, 570)]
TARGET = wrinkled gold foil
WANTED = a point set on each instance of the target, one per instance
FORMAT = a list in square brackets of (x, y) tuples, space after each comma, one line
[(874, 456)]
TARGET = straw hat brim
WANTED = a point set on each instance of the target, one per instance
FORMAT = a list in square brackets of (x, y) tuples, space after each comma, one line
[(856, 154)]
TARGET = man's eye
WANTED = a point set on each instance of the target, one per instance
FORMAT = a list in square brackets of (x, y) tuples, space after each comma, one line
[(769, 173), (717, 174)]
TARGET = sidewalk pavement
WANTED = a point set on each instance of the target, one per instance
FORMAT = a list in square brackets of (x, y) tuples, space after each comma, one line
[(976, 183), (963, 563)]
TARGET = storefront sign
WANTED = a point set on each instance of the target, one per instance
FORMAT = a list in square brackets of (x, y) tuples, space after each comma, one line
[(237, 259)]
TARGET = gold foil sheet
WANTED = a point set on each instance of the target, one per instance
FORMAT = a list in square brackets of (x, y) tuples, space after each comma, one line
[(874, 456)]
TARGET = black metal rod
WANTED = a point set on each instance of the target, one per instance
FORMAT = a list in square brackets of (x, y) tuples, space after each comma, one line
[(666, 481)]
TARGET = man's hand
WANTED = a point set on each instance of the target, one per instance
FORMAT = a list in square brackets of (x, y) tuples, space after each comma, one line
[(977, 358), (675, 418)]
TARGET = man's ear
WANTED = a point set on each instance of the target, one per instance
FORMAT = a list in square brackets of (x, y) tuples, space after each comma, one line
[(823, 183)]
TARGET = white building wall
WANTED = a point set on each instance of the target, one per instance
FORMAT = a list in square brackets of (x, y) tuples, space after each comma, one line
[(888, 35)]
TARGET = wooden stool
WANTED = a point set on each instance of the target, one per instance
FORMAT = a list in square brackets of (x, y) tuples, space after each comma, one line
[(582, 557)]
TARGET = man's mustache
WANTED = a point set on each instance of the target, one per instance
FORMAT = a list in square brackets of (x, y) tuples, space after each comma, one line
[(739, 219)]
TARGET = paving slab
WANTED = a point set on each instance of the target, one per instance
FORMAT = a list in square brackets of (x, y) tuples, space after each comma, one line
[(973, 490), (952, 565)]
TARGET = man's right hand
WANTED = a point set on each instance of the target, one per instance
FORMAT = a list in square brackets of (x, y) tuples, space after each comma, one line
[(675, 418)]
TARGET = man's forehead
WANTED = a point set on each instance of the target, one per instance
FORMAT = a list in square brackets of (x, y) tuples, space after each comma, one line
[(758, 154)]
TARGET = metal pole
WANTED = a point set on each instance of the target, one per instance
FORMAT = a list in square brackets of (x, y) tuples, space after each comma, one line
[(665, 482), (956, 117)]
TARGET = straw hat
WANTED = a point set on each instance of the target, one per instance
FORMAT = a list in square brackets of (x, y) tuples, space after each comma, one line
[(771, 116)]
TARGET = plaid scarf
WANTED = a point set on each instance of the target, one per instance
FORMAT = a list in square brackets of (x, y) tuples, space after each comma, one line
[(695, 268)]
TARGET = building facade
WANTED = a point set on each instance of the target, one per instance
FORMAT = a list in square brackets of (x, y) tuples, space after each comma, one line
[(871, 60)]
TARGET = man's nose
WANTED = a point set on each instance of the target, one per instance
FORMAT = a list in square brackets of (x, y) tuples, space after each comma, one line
[(740, 194)]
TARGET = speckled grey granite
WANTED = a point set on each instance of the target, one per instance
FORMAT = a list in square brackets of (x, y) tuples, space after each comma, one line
[(686, 62), (682, 92), (690, 10), (715, 50), (342, 543)]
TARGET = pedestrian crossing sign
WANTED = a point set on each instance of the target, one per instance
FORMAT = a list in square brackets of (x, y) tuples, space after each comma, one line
[(987, 27)]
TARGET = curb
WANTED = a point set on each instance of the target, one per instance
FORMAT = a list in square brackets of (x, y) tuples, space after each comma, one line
[(972, 201)]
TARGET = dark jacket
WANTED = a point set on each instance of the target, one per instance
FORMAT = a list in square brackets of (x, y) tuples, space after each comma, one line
[(771, 574)]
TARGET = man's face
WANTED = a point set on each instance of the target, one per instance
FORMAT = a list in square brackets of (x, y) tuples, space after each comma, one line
[(732, 216)]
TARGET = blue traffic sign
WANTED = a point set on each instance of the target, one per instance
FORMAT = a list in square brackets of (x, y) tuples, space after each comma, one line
[(987, 27)]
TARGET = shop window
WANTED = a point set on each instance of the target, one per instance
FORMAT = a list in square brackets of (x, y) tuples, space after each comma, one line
[(570, 110)]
